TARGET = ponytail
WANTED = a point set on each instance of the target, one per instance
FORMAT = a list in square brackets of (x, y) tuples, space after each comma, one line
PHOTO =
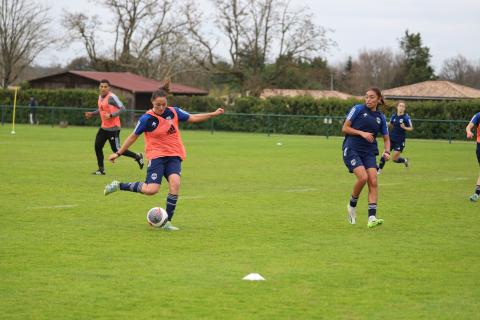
[(164, 89)]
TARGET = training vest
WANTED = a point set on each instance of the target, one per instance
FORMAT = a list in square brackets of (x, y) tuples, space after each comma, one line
[(478, 133), (165, 140), (104, 108)]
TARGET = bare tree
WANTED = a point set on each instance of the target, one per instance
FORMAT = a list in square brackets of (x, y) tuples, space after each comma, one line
[(24, 34), (255, 32), (375, 67), (84, 29), (144, 34), (460, 70)]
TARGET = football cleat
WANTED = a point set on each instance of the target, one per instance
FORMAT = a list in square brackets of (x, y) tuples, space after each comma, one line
[(169, 227), (352, 214), (372, 223), (140, 161), (111, 187)]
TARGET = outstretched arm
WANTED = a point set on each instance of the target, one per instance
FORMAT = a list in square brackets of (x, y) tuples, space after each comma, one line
[(126, 144), (201, 117)]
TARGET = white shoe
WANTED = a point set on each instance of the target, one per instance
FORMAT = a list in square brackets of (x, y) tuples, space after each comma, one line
[(352, 214), (379, 171), (169, 227)]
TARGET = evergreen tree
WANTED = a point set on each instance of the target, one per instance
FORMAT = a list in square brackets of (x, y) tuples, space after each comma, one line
[(416, 63)]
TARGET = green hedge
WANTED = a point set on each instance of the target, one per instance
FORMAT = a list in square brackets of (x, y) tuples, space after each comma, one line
[(309, 114), (52, 98)]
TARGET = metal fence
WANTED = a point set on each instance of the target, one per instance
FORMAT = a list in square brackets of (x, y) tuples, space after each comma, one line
[(321, 125)]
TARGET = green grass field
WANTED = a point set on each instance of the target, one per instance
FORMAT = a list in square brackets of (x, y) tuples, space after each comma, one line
[(247, 205)]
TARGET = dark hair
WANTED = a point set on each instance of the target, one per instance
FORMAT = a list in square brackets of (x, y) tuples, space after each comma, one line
[(383, 105), (163, 91), (104, 81)]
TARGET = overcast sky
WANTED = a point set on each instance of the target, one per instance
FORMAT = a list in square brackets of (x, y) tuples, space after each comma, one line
[(447, 27)]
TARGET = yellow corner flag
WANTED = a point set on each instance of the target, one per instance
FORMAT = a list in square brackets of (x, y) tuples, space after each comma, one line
[(14, 109)]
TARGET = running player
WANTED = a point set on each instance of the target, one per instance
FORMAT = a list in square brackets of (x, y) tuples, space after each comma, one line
[(361, 127), (400, 123), (109, 109), (475, 122), (163, 148)]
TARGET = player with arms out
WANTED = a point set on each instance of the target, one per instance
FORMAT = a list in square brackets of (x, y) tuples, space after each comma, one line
[(475, 122), (400, 123), (361, 127), (109, 109), (163, 148)]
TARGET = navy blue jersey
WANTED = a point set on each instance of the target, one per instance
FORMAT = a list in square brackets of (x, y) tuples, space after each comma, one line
[(363, 119), (476, 119), (149, 123), (398, 133)]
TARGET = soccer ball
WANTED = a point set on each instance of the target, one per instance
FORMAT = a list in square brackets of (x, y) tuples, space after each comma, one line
[(157, 217)]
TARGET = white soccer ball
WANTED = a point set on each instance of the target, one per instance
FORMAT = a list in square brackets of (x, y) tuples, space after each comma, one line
[(157, 217)]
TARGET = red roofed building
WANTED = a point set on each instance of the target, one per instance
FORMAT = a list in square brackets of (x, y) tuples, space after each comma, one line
[(136, 89)]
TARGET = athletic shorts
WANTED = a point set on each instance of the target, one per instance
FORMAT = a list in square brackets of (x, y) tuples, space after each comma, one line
[(397, 145), (163, 167), (354, 159), (478, 152)]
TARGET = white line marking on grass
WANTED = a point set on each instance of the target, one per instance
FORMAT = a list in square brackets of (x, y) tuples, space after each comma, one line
[(61, 206), (302, 190), (456, 179)]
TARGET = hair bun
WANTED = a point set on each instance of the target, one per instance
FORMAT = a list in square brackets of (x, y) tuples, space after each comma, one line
[(166, 85)]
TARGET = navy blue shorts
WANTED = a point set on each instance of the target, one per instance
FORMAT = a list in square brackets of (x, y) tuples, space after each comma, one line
[(354, 159), (397, 145), (163, 167), (478, 152)]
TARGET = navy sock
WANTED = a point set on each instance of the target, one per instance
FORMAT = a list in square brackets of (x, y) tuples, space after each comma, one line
[(171, 205), (477, 190), (372, 209), (382, 163), (353, 201), (399, 160), (132, 186)]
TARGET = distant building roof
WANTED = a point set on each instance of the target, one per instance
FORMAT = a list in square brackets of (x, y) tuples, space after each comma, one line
[(432, 90), (317, 94), (132, 82)]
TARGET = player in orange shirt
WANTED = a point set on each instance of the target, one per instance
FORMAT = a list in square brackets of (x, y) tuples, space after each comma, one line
[(475, 122), (163, 147), (109, 110)]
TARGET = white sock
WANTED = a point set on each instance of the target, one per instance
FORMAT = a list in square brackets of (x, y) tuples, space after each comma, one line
[(372, 218)]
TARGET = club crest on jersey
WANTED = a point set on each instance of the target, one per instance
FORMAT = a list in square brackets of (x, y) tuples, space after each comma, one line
[(353, 162), (154, 124), (365, 115), (168, 118), (378, 120), (154, 176)]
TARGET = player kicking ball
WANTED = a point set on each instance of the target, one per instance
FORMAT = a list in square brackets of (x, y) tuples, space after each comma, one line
[(164, 150)]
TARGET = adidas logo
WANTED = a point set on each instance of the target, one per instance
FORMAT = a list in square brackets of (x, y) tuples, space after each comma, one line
[(172, 130)]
